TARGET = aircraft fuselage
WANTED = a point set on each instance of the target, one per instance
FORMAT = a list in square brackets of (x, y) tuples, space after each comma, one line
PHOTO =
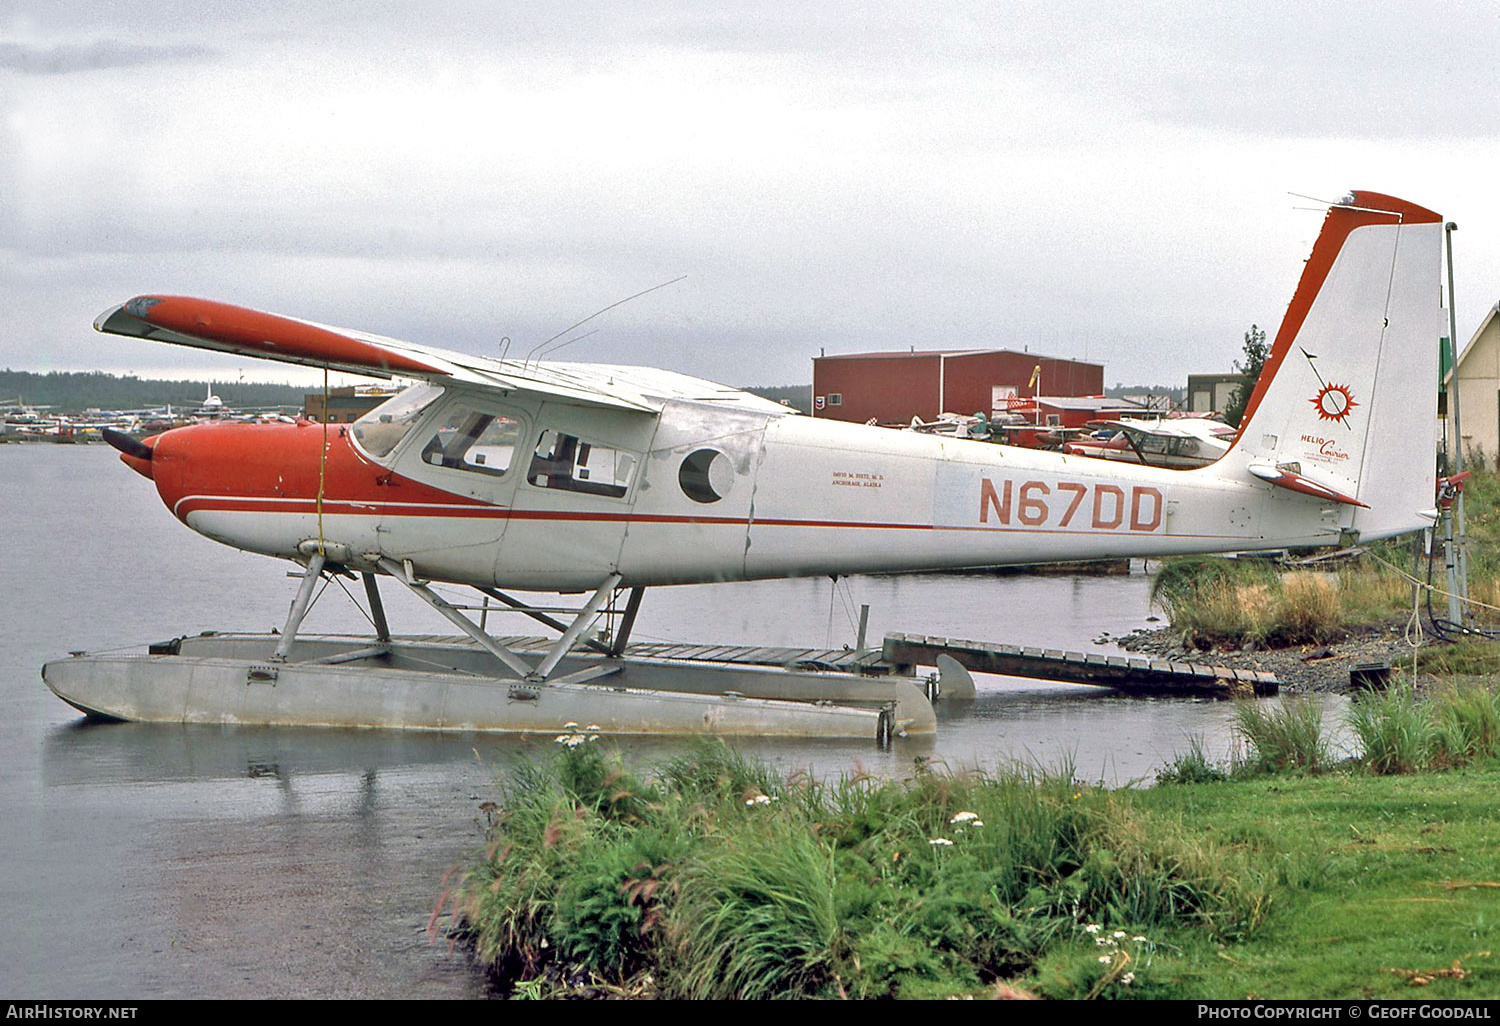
[(551, 496)]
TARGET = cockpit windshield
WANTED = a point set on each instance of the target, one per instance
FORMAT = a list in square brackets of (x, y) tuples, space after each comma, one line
[(381, 430)]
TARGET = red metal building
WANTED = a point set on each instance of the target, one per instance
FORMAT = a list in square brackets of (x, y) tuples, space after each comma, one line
[(893, 388)]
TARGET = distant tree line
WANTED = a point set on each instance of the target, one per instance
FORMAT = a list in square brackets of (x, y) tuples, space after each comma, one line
[(76, 391), (799, 396)]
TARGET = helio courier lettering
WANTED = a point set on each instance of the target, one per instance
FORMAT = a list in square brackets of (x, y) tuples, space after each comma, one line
[(1071, 504)]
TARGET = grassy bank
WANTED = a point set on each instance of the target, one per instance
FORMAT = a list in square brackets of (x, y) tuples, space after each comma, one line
[(1233, 603), (713, 877)]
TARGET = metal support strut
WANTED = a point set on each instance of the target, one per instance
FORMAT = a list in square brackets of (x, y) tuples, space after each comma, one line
[(300, 605), (377, 608), (519, 666)]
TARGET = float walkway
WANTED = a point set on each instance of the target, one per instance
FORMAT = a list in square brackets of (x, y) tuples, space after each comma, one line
[(902, 653), (1123, 673)]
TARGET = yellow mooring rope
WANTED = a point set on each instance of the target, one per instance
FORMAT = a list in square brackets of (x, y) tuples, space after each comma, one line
[(323, 462)]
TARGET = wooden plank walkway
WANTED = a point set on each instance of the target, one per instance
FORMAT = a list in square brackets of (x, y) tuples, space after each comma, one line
[(901, 653), (847, 660), (1124, 673)]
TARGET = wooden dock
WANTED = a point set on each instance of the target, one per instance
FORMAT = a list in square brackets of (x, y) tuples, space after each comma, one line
[(902, 653), (1124, 673)]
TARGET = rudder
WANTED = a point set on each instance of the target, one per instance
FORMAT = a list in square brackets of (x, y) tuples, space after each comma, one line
[(1346, 405)]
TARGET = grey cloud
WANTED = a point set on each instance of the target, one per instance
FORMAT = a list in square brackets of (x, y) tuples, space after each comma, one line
[(72, 58)]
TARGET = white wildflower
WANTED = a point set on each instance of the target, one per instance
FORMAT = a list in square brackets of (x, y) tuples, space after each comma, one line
[(1128, 979), (570, 726), (1105, 960), (1139, 939), (941, 842), (1119, 934), (1091, 928), (964, 817)]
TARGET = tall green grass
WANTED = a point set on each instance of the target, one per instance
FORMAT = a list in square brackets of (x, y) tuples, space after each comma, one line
[(720, 879), (1400, 732), (1285, 737)]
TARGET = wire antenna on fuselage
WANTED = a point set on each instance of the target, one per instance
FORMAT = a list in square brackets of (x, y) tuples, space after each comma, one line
[(542, 345)]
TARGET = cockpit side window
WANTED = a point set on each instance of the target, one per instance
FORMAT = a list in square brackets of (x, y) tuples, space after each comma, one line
[(474, 440), (381, 430), (565, 462)]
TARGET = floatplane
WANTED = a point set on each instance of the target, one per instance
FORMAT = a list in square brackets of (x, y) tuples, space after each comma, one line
[(1177, 443), (607, 481)]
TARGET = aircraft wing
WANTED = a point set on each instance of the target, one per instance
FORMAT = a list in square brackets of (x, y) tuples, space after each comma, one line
[(1143, 429), (1116, 425), (207, 324)]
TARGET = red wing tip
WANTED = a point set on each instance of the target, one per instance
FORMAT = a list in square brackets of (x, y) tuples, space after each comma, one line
[(257, 333)]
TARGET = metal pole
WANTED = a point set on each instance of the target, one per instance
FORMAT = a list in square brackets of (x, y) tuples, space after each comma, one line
[(1458, 464), (1458, 562)]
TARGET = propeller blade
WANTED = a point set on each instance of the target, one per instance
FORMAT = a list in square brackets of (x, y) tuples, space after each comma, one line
[(132, 447)]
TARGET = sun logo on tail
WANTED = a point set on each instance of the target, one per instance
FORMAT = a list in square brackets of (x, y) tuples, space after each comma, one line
[(1334, 402)]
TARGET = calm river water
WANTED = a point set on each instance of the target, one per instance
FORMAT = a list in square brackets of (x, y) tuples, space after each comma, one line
[(150, 861)]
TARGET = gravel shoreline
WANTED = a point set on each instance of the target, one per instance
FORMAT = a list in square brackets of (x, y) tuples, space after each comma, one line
[(1307, 668)]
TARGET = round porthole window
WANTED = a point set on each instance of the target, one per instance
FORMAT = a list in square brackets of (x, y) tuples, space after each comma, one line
[(706, 475)]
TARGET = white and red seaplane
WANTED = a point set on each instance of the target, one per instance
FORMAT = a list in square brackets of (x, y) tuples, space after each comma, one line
[(607, 481)]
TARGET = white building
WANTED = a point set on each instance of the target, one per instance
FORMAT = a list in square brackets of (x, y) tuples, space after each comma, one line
[(1479, 389)]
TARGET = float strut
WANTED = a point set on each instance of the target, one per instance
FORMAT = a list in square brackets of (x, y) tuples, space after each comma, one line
[(377, 608), (456, 618), (310, 579), (541, 617), (582, 620), (632, 607)]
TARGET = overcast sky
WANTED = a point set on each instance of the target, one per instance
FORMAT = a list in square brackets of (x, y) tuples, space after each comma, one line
[(1102, 181)]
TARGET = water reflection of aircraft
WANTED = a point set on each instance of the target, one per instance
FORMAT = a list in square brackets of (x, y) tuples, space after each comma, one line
[(602, 479), (1180, 443)]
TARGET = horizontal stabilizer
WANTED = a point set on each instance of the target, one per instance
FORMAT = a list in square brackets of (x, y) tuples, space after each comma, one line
[(1287, 477)]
